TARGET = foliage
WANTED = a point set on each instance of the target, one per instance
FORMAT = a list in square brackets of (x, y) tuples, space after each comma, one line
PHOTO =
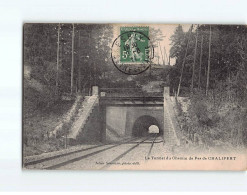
[(220, 116), (228, 54), (156, 36)]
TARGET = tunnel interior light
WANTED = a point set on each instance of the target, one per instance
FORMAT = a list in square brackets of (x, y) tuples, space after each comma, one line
[(153, 129)]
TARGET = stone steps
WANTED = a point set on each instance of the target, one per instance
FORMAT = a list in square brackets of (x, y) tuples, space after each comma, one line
[(170, 120), (83, 115), (67, 118)]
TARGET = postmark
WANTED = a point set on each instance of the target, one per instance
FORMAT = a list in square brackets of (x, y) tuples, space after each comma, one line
[(132, 51)]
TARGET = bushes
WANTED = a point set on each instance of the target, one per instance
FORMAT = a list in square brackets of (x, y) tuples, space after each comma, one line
[(221, 124), (38, 123)]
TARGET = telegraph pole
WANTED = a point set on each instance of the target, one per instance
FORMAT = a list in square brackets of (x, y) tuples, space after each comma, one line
[(185, 55), (58, 45), (209, 55), (72, 61), (79, 66), (194, 63), (200, 67)]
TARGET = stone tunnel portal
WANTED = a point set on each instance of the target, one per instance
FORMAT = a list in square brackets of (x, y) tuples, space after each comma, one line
[(142, 125), (131, 121)]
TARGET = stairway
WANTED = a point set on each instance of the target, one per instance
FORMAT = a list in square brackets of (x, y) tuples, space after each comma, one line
[(171, 126), (67, 117), (83, 114)]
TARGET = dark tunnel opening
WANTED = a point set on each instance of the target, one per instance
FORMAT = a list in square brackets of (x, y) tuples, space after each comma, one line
[(142, 124)]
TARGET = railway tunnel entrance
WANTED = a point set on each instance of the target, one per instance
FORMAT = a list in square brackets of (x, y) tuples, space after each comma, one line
[(135, 114), (146, 125), (132, 121)]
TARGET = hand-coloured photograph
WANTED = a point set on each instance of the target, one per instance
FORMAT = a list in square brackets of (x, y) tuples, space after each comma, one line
[(134, 97)]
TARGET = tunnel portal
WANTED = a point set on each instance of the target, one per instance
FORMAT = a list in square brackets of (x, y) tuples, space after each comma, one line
[(142, 124)]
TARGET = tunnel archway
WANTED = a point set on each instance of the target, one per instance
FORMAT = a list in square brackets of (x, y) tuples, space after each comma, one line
[(142, 124)]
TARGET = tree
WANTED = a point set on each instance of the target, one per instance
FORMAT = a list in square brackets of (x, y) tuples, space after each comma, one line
[(156, 35)]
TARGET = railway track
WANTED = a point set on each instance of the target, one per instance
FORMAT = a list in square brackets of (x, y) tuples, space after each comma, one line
[(61, 160), (150, 150), (123, 154), (68, 155)]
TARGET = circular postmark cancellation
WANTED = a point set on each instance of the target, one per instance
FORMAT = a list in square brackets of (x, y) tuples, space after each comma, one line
[(132, 51)]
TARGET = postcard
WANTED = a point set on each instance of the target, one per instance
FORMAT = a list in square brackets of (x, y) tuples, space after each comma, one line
[(134, 96)]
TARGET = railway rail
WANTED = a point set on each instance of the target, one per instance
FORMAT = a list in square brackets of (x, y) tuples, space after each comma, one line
[(65, 159)]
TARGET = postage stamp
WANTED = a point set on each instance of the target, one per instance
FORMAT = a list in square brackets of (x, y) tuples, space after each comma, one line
[(132, 50)]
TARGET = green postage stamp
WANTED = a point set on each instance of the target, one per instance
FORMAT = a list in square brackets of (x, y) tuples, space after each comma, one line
[(134, 44), (132, 50)]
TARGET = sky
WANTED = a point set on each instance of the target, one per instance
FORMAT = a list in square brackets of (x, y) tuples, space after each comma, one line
[(168, 31)]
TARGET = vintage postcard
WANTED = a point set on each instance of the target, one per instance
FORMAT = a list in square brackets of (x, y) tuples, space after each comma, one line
[(134, 96)]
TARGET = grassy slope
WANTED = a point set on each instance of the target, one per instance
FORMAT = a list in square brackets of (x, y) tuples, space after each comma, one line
[(39, 119), (210, 124)]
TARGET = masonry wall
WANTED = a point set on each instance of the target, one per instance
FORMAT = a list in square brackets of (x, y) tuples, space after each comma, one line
[(91, 131), (115, 123), (120, 120)]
